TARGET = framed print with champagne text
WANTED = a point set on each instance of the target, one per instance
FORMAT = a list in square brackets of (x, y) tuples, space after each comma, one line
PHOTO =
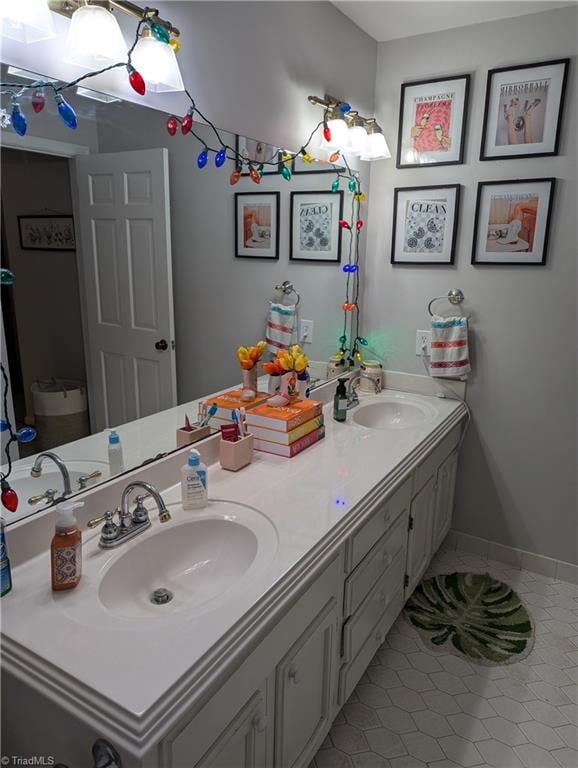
[(432, 122), (512, 222), (523, 112), (425, 222)]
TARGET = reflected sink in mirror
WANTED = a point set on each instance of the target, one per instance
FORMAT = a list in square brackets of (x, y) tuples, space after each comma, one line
[(394, 411), (27, 487), (188, 565)]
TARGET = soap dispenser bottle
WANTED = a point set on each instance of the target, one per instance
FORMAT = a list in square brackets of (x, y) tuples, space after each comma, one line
[(194, 494), (66, 547), (115, 458), (340, 401)]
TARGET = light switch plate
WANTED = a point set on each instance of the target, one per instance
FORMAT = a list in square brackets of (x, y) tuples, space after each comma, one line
[(422, 337), (306, 332)]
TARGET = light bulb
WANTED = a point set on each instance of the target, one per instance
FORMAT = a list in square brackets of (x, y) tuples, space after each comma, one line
[(187, 122), (136, 81), (202, 159), (94, 38), (326, 132), (9, 497), (286, 173), (344, 224), (6, 277), (356, 139), (67, 114), (172, 125), (376, 148), (220, 157), (19, 122), (335, 185), (26, 434), (352, 185), (334, 157), (254, 175), (158, 64), (358, 224), (342, 339), (234, 177), (339, 132), (175, 44), (27, 21), (38, 100), (363, 341), (160, 33)]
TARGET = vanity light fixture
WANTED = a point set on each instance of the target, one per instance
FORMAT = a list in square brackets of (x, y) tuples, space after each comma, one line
[(157, 63), (94, 38), (356, 134), (26, 21), (376, 146)]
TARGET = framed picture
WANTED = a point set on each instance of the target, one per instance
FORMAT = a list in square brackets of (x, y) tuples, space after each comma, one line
[(47, 233), (257, 225), (315, 234), (432, 122), (317, 166), (425, 223), (523, 111), (258, 152), (512, 222)]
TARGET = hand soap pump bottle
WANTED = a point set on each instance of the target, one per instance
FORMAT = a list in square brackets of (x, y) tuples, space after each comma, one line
[(66, 547), (340, 401), (115, 458), (194, 494)]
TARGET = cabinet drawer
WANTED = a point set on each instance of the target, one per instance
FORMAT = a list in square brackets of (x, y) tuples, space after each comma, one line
[(351, 673), (379, 522), (373, 566), (357, 629), (429, 465)]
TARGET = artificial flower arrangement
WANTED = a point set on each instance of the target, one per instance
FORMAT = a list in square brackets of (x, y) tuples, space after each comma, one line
[(248, 358), (291, 366)]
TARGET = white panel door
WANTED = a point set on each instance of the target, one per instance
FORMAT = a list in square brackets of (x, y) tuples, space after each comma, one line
[(126, 278)]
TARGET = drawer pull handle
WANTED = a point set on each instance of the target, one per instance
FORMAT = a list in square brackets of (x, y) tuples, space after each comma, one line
[(293, 675), (259, 723), (387, 558)]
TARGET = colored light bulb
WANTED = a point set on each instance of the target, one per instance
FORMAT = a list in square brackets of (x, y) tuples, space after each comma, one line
[(67, 114), (3, 425), (335, 186), (202, 158), (358, 356), (9, 497), (26, 434), (361, 197), (19, 122), (348, 306), (160, 32), (38, 100), (352, 185), (254, 175), (220, 157), (326, 132), (136, 81), (342, 339), (6, 277), (172, 125), (334, 157), (175, 44), (286, 157), (344, 224), (358, 224), (234, 177), (363, 341), (261, 170), (187, 122), (345, 108), (286, 173)]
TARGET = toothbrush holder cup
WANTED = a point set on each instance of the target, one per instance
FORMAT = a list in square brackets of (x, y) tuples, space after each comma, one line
[(236, 455)]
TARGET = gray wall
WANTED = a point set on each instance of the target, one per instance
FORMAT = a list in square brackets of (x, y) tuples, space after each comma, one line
[(518, 471), (222, 301)]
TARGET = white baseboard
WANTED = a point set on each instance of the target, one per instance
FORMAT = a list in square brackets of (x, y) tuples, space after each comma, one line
[(517, 558)]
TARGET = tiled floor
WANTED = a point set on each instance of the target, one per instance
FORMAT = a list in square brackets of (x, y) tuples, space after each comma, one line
[(416, 707)]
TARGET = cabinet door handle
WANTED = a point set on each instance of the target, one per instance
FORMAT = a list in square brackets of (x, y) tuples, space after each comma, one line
[(293, 675), (259, 723)]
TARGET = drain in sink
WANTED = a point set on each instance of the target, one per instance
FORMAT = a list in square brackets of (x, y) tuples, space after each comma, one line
[(161, 596)]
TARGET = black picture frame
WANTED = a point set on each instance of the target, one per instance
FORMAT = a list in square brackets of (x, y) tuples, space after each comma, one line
[(513, 68), (268, 170), (551, 180), (25, 245), (454, 230), (319, 193), (463, 133), (277, 197)]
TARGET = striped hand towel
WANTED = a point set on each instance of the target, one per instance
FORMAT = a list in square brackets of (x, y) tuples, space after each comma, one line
[(280, 325), (449, 347)]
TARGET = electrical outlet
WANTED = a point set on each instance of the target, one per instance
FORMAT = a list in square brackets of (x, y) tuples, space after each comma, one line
[(306, 332), (421, 338)]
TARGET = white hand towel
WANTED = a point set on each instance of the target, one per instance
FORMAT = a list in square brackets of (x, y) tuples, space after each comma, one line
[(450, 355), (280, 325)]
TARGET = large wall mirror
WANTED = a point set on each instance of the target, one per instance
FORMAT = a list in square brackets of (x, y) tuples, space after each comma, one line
[(137, 276)]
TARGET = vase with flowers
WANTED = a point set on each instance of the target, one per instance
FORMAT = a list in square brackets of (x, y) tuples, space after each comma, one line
[(248, 358)]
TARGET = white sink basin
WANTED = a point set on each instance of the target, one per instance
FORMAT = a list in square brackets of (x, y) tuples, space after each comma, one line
[(194, 562), (394, 411)]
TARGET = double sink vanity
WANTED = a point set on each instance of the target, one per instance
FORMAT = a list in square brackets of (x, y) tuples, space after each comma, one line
[(232, 635)]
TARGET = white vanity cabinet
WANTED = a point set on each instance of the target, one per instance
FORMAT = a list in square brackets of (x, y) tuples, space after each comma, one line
[(444, 503)]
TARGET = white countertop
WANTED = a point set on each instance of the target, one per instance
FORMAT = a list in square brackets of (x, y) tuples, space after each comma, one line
[(142, 669)]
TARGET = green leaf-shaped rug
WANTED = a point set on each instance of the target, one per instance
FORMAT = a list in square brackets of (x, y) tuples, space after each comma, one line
[(476, 615)]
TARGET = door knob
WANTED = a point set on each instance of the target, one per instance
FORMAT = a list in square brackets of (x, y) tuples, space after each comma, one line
[(162, 345)]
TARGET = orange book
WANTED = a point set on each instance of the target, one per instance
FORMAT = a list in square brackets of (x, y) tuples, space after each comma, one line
[(228, 401), (284, 418)]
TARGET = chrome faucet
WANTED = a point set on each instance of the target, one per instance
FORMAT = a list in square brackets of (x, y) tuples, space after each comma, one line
[(36, 470), (352, 397), (130, 524)]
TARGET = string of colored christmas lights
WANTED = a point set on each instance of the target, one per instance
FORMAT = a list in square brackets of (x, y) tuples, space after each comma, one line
[(349, 349)]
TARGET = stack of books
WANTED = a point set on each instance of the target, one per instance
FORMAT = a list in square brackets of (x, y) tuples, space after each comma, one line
[(287, 430), (228, 401)]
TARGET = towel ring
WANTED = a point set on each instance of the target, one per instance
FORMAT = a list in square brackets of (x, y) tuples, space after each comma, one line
[(286, 288), (455, 296)]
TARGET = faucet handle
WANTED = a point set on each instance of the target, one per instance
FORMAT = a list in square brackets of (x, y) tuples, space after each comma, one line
[(83, 480), (49, 495), (109, 529), (140, 513)]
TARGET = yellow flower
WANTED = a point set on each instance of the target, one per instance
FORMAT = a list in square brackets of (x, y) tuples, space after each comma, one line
[(242, 353), (301, 363), (285, 360)]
